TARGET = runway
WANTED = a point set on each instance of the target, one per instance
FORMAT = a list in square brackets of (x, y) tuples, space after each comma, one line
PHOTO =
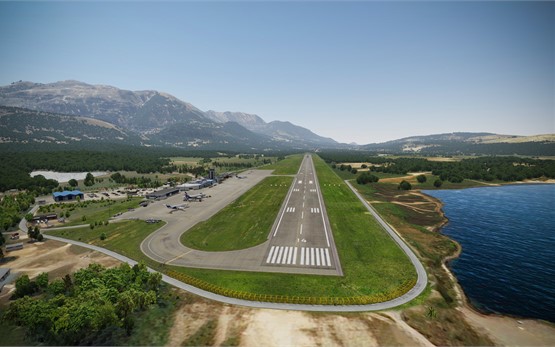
[(301, 236), (299, 242)]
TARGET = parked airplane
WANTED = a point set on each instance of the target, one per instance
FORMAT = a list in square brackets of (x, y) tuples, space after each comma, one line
[(197, 197), (181, 207), (240, 177)]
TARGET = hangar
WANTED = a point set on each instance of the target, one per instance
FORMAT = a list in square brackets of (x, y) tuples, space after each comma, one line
[(162, 194), (68, 195)]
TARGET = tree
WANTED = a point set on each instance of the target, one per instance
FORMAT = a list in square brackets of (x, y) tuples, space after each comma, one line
[(404, 185), (103, 236), (89, 179), (24, 286), (28, 217), (40, 237), (366, 177), (2, 239), (438, 183), (354, 171), (364, 166), (33, 233), (73, 182), (421, 178), (42, 280)]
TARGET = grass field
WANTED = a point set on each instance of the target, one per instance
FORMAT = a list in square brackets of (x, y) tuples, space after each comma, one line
[(372, 263), (244, 223), (94, 211), (288, 166), (122, 237)]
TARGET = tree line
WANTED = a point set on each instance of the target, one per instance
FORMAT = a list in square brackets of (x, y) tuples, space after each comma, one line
[(480, 168), (13, 207)]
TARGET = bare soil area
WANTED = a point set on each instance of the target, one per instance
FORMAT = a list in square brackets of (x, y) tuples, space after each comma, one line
[(56, 258), (255, 327)]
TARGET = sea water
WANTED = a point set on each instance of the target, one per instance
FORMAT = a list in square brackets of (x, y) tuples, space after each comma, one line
[(507, 236)]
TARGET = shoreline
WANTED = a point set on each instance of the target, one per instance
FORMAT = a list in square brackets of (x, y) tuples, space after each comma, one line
[(464, 300)]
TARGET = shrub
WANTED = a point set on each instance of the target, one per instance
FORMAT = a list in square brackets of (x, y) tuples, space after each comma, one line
[(404, 185)]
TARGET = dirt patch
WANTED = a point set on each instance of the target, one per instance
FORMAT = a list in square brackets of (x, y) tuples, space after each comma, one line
[(508, 331), (56, 258)]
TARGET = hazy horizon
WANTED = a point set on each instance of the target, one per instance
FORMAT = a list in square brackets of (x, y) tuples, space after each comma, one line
[(360, 72)]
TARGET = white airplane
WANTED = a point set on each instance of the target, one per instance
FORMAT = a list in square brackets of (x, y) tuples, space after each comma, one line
[(197, 197), (240, 177), (181, 207)]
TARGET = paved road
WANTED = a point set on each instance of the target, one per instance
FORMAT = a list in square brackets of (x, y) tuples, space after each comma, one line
[(301, 236)]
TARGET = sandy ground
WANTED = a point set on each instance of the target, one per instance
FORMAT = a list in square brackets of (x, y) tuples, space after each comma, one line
[(507, 331), (256, 327)]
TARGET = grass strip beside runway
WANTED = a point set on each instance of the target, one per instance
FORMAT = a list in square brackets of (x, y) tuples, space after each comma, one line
[(288, 166), (121, 237), (244, 223)]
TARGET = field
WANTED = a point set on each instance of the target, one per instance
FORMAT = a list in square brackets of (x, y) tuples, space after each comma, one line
[(244, 223), (288, 166), (223, 164), (123, 237), (92, 210)]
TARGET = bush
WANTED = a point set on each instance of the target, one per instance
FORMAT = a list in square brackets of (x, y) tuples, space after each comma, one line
[(421, 178), (404, 185), (103, 236), (438, 183), (366, 177)]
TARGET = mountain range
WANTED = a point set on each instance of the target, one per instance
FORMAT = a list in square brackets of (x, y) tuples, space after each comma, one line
[(83, 115), (160, 119)]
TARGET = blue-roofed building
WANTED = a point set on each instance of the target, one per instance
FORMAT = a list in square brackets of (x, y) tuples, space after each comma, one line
[(68, 195)]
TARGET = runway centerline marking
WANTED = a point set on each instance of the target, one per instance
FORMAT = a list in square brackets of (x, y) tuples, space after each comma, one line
[(283, 212)]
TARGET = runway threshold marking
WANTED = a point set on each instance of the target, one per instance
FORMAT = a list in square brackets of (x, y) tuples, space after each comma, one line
[(290, 255)]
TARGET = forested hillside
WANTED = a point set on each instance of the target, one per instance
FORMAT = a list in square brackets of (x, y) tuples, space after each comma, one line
[(487, 168)]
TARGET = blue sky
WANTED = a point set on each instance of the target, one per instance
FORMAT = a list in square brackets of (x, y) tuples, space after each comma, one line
[(354, 71)]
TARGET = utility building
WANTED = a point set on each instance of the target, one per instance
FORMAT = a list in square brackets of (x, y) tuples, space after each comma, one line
[(68, 195)]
